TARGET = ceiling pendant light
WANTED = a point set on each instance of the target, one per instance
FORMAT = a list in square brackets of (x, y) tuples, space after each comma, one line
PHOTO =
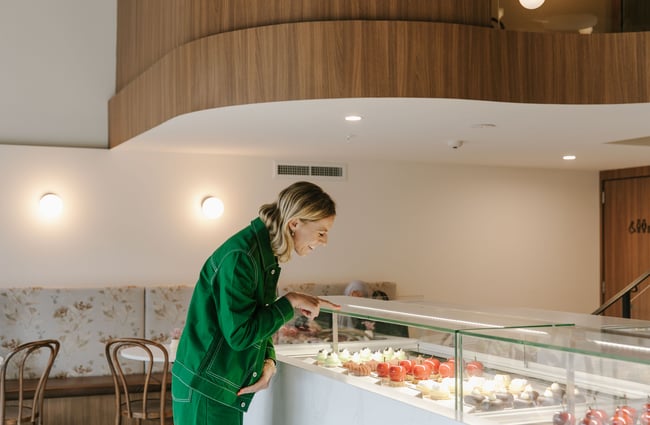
[(531, 4)]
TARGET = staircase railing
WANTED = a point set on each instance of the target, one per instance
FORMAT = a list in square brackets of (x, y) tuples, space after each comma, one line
[(624, 296)]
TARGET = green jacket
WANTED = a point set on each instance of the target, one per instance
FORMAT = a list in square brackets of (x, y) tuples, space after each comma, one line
[(231, 319)]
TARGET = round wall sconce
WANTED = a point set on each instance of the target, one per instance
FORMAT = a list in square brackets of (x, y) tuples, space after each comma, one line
[(50, 205), (212, 207), (531, 4)]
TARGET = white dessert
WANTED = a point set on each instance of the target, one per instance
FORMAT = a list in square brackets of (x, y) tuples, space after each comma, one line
[(400, 354), (450, 383), (332, 360), (321, 356), (502, 381), (378, 356), (344, 355), (365, 354), (389, 353), (517, 385), (434, 390), (488, 387), (474, 382)]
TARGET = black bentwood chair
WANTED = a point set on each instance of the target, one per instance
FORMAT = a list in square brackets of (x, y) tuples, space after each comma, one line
[(28, 406)]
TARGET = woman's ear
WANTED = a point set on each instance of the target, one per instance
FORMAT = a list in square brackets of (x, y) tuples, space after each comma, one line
[(293, 224)]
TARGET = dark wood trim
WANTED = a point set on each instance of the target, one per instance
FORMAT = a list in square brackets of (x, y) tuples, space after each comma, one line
[(80, 386), (624, 173)]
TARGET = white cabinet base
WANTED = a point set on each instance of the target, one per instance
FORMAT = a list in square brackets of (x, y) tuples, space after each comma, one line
[(300, 396)]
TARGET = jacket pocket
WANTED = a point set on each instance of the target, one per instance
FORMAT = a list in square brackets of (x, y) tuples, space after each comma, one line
[(181, 393)]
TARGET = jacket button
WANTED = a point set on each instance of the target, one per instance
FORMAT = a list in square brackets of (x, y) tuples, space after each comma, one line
[(254, 374), (243, 404), (273, 271)]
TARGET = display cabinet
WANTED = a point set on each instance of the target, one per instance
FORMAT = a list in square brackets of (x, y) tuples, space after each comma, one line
[(561, 375), (397, 350), (456, 364)]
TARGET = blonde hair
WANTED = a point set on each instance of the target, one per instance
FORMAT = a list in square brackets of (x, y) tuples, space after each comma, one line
[(302, 200)]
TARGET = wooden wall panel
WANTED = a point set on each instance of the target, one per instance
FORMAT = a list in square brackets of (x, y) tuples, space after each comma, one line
[(341, 59), (92, 409), (149, 29)]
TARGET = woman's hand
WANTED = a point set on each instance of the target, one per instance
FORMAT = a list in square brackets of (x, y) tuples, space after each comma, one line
[(308, 304), (263, 383)]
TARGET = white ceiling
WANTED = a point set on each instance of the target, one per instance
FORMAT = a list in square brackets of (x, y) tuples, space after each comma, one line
[(58, 73)]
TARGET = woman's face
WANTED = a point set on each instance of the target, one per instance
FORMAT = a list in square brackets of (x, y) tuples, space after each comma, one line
[(308, 235)]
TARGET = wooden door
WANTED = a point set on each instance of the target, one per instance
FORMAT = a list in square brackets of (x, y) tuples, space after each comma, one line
[(626, 238)]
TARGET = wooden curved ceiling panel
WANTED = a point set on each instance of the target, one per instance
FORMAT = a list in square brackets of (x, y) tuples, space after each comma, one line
[(149, 29), (355, 58)]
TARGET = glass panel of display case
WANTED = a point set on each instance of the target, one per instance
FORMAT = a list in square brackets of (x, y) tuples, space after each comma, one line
[(577, 319), (559, 375), (371, 320), (404, 349)]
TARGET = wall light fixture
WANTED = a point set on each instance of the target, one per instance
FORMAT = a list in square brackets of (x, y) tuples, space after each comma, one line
[(50, 205), (531, 4), (212, 207)]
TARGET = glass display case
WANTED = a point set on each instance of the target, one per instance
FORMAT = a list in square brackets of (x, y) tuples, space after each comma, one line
[(475, 366), (561, 375)]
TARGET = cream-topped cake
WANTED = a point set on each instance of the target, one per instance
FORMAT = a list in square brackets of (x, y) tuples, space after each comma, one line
[(365, 354), (450, 383), (332, 360), (434, 390), (517, 385), (344, 355), (472, 383), (389, 353), (321, 356), (502, 382), (400, 354), (378, 356)]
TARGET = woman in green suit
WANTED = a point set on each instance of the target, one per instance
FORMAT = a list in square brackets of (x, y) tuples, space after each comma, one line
[(225, 353)]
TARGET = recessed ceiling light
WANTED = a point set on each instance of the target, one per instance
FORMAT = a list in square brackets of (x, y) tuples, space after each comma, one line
[(353, 118), (569, 157)]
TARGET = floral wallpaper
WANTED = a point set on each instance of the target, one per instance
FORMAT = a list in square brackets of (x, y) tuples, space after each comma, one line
[(81, 319), (165, 310)]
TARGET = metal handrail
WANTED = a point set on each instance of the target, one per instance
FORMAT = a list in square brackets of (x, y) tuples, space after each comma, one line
[(623, 294)]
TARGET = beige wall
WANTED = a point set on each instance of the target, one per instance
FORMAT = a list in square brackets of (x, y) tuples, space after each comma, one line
[(471, 235)]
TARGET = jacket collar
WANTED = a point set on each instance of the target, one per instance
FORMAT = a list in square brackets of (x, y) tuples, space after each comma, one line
[(264, 241)]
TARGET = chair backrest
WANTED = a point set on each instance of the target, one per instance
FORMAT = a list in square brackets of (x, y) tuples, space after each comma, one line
[(139, 403), (29, 406)]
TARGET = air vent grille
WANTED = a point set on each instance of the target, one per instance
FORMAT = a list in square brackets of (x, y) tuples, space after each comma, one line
[(310, 170), (292, 170), (326, 171)]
